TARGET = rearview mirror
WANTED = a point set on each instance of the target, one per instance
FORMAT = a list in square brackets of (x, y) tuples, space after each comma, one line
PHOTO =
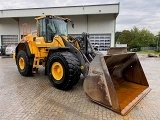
[(72, 24), (47, 20)]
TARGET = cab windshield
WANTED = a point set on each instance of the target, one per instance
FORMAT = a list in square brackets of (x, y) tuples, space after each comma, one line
[(58, 26), (49, 27)]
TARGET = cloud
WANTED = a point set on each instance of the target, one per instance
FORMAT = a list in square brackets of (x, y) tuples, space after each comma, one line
[(141, 13)]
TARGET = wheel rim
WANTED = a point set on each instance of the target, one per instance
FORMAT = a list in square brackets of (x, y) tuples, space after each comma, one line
[(21, 63), (57, 71)]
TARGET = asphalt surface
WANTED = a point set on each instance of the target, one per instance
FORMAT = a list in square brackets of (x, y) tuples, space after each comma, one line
[(34, 98)]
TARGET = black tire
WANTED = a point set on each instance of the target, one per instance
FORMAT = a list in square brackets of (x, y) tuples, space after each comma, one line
[(27, 70), (71, 70)]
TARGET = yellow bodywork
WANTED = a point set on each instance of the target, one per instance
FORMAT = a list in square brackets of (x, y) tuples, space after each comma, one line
[(40, 48)]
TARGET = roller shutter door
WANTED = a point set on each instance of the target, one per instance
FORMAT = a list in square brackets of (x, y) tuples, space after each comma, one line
[(101, 41), (9, 39)]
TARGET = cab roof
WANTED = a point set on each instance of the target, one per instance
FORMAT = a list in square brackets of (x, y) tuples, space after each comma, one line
[(52, 16)]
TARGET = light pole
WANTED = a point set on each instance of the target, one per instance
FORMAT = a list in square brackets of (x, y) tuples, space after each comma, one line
[(157, 42), (157, 45)]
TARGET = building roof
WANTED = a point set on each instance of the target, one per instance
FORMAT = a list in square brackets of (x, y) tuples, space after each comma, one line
[(67, 10)]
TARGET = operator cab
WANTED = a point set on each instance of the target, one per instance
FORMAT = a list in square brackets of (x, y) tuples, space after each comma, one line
[(50, 26)]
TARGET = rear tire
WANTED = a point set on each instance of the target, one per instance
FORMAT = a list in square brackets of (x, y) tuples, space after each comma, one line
[(23, 63), (63, 70)]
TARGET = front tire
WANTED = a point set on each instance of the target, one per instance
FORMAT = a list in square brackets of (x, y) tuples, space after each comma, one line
[(23, 63), (63, 70)]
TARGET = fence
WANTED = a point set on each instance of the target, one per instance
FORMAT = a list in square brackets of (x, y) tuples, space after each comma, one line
[(148, 48)]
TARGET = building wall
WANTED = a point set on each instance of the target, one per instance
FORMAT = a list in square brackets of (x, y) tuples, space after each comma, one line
[(80, 24), (30, 21), (102, 24), (92, 24), (8, 27)]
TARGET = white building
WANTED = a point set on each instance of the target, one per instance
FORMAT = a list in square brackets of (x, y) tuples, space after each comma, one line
[(97, 20)]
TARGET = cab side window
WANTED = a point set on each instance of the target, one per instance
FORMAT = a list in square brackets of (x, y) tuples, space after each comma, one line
[(42, 28)]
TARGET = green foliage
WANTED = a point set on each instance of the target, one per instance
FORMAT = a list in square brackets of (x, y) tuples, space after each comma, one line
[(125, 37), (117, 34), (136, 38)]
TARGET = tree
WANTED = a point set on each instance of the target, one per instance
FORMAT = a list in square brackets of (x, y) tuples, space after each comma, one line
[(147, 38), (117, 34), (125, 37), (136, 38), (135, 43)]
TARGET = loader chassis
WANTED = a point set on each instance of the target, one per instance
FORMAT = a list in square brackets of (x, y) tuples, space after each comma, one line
[(116, 80)]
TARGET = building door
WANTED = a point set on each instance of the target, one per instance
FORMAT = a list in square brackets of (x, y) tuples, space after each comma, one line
[(9, 39), (101, 41)]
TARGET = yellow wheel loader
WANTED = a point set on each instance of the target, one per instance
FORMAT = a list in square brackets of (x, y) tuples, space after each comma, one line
[(116, 81)]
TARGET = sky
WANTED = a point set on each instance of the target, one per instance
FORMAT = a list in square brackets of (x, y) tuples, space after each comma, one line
[(140, 13)]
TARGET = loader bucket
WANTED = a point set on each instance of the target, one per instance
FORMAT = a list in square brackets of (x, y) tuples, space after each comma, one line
[(116, 82)]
